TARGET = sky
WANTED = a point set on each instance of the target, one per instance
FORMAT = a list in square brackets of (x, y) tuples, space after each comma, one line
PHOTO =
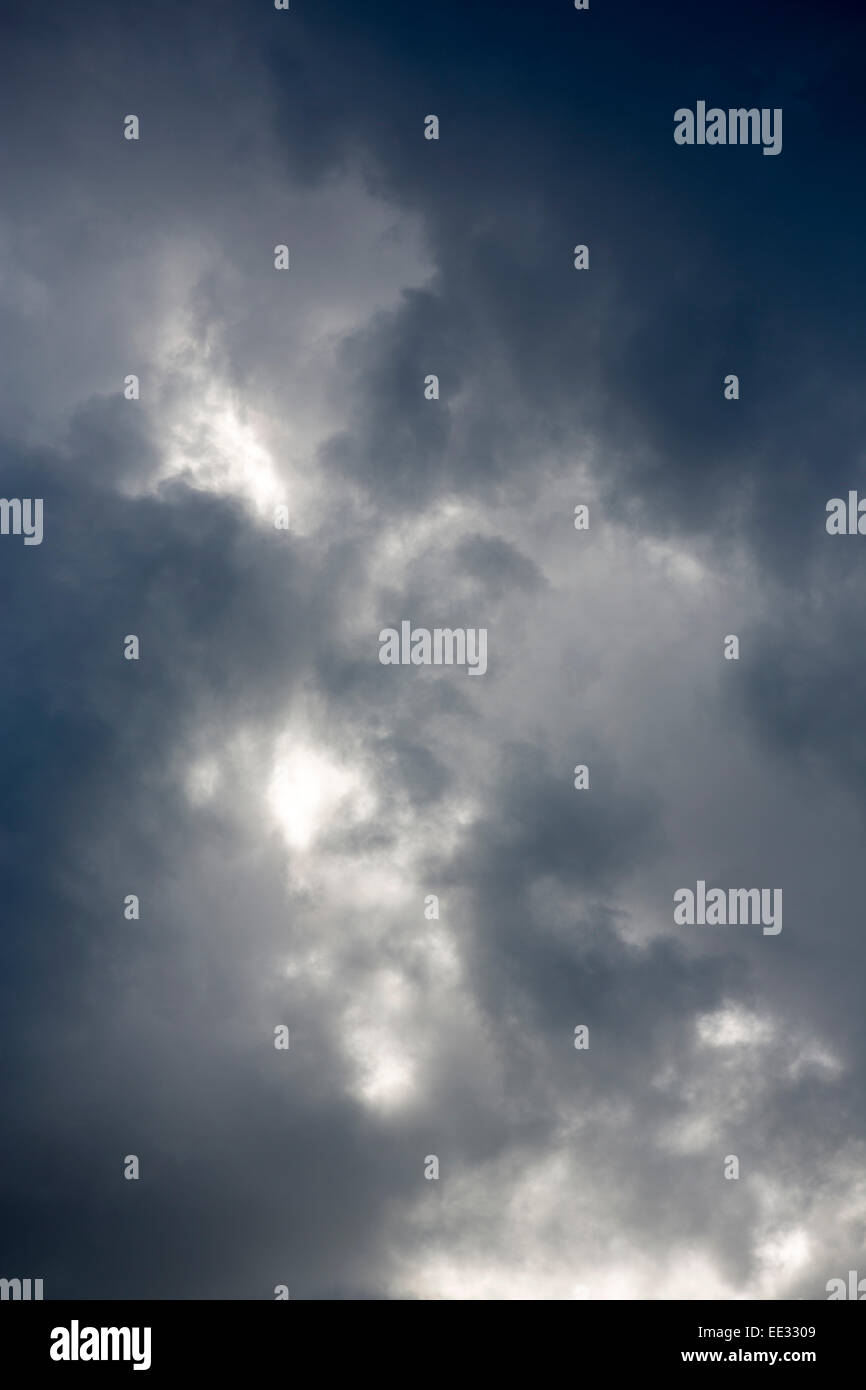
[(285, 806)]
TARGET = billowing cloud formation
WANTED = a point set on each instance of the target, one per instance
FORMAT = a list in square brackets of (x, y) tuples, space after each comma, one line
[(282, 803)]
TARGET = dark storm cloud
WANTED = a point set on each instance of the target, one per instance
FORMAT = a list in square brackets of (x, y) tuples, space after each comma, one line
[(158, 1049), (155, 1037), (737, 267)]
